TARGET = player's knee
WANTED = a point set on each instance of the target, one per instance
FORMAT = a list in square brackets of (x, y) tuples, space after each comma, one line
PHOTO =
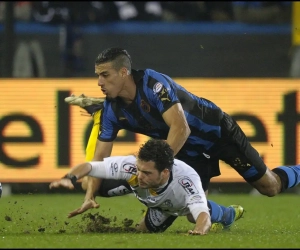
[(190, 218), (268, 184), (268, 191), (141, 227)]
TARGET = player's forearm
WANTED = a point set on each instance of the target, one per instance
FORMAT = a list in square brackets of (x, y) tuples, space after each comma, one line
[(177, 136), (95, 176), (93, 183), (81, 170), (203, 224)]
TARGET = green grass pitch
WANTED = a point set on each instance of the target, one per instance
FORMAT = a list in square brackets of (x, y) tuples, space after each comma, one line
[(40, 221)]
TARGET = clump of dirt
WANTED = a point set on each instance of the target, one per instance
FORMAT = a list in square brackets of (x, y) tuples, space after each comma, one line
[(97, 223), (41, 229), (7, 218), (127, 222)]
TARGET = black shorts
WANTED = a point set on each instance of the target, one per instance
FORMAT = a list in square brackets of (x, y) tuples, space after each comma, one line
[(110, 188), (157, 221), (234, 149)]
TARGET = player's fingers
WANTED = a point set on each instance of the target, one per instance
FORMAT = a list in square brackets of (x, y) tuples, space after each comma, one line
[(195, 232), (54, 184), (65, 183), (74, 213), (85, 206), (89, 204)]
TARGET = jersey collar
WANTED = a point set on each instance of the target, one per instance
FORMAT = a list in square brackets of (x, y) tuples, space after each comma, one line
[(165, 187), (137, 75)]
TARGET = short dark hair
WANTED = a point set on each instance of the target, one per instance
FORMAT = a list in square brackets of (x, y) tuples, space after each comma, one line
[(158, 151), (118, 56)]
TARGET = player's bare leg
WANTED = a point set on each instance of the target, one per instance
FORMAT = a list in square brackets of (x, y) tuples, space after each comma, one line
[(84, 183), (277, 180), (269, 184), (141, 227)]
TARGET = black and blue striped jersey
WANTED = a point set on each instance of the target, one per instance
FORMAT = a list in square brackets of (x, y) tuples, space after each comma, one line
[(156, 93)]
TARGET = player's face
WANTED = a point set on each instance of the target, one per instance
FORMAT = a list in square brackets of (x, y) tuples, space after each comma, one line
[(148, 175), (110, 80)]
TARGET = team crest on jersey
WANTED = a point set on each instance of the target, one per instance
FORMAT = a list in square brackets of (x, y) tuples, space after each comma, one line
[(145, 106), (157, 87), (188, 185), (167, 203), (129, 168)]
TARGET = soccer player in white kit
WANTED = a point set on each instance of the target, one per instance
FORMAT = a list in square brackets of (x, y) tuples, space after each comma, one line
[(167, 186)]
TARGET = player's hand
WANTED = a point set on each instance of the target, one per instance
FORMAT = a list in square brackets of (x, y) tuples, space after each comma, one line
[(196, 232), (87, 204), (65, 183)]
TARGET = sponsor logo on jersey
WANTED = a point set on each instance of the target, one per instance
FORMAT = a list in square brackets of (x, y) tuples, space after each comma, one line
[(157, 87), (129, 168), (164, 95), (188, 185)]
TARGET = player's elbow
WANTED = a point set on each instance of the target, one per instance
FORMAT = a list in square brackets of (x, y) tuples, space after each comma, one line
[(187, 131)]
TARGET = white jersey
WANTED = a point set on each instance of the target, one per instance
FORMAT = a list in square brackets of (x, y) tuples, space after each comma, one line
[(183, 193)]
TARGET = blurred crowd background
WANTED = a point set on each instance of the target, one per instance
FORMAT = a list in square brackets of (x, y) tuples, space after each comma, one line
[(54, 12), (75, 32)]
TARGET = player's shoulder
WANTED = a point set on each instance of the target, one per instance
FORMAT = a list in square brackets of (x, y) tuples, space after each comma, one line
[(122, 159), (152, 73), (180, 167), (110, 105), (107, 107)]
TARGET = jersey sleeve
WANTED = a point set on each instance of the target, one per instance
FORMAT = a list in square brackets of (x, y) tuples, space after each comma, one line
[(195, 196), (114, 167), (161, 90), (109, 127)]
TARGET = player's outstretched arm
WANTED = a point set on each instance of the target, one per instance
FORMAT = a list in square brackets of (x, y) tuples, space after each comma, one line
[(70, 179), (203, 224), (89, 199), (102, 150)]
